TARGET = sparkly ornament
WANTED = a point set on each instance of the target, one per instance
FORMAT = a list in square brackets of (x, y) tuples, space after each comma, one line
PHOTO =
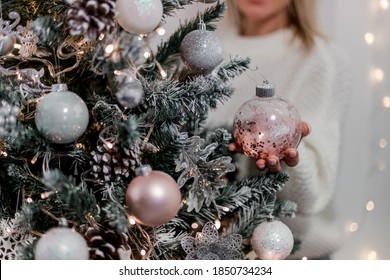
[(62, 115), (8, 117), (91, 18), (130, 93), (61, 243), (266, 125), (207, 246), (272, 241), (153, 197), (139, 16), (201, 50)]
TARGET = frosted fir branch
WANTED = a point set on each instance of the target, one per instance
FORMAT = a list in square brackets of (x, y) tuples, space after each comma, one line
[(232, 68), (167, 244), (170, 6), (77, 200), (107, 114), (258, 207), (115, 216), (172, 45)]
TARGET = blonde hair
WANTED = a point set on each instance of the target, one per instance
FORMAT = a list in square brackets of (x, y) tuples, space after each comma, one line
[(302, 15)]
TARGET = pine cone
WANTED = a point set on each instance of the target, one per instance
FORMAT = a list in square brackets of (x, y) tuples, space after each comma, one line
[(112, 165), (105, 244), (91, 17)]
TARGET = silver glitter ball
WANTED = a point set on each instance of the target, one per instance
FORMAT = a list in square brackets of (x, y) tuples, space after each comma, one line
[(201, 50), (272, 241)]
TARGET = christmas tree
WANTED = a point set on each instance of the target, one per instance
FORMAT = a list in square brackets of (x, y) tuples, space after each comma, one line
[(103, 146)]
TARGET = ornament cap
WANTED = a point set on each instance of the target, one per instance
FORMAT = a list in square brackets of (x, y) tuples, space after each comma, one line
[(59, 87), (143, 170), (202, 25), (265, 90)]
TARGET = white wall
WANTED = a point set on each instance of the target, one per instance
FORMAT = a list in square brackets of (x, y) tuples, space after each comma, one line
[(362, 180)]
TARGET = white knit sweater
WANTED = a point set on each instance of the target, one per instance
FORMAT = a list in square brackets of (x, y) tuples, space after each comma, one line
[(317, 83)]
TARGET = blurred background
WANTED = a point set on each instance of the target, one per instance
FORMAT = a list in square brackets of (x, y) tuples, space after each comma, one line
[(363, 195)]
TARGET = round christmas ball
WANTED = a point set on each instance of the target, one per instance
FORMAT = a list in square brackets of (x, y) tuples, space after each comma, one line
[(272, 241), (201, 50), (61, 243), (139, 16), (61, 116), (7, 43), (266, 125), (130, 93), (153, 197)]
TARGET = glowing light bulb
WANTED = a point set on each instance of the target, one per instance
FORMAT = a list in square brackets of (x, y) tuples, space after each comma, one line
[(29, 200), (109, 49), (160, 31), (370, 38), (304, 258), (372, 255), (386, 101), (147, 54), (383, 143), (353, 227), (132, 221), (194, 225), (370, 206), (143, 252), (384, 4), (382, 165), (217, 224), (377, 74), (163, 73), (17, 46)]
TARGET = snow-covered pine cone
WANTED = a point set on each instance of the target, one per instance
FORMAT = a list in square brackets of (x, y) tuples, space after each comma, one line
[(105, 244), (112, 165), (91, 17)]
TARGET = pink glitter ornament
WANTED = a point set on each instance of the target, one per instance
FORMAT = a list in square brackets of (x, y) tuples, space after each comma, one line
[(266, 125)]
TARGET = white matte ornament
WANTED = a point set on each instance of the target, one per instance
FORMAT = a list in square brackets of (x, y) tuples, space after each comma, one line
[(62, 115), (153, 197), (272, 241), (201, 50), (139, 16), (61, 243)]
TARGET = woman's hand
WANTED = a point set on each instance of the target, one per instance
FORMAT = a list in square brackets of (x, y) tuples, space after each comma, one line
[(272, 162)]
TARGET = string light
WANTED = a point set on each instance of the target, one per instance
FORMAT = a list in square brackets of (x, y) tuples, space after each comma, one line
[(353, 227), (372, 255), (147, 54), (370, 206), (109, 49), (217, 224), (386, 101), (29, 200), (143, 252), (161, 31), (194, 225), (384, 4), (377, 74), (370, 38), (383, 143), (132, 221)]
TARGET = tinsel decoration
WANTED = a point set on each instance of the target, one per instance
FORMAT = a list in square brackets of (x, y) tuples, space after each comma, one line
[(12, 237), (208, 246), (106, 244), (112, 164), (91, 18), (8, 117)]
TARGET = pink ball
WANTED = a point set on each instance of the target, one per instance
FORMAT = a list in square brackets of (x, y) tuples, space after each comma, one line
[(153, 197), (266, 125)]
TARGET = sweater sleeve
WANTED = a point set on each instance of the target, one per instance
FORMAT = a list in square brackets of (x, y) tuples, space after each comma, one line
[(323, 97)]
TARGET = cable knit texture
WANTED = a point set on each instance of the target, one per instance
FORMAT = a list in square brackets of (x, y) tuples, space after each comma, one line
[(317, 83)]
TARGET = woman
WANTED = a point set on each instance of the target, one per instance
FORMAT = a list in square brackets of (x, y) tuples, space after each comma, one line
[(282, 39)]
